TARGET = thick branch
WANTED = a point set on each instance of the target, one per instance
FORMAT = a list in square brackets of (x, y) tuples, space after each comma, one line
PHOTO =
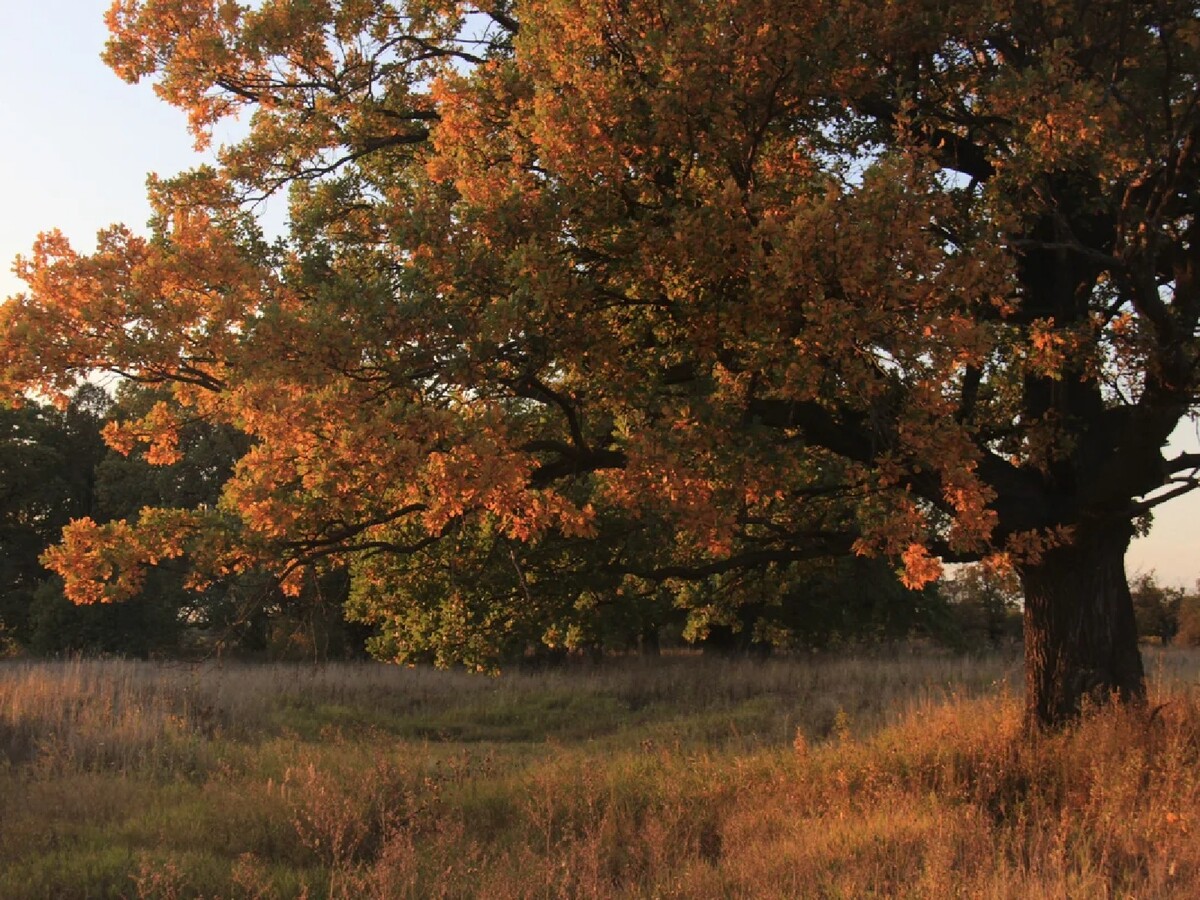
[(815, 546), (576, 463), (531, 387), (335, 540), (1180, 487), (497, 14), (952, 150), (1183, 462)]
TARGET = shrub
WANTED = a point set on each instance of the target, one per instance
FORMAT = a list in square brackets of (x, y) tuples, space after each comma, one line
[(1188, 633)]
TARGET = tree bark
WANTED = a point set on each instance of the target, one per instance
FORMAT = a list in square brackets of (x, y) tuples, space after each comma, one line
[(1080, 634)]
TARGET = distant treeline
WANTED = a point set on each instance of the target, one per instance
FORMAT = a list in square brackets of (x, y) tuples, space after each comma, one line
[(55, 467)]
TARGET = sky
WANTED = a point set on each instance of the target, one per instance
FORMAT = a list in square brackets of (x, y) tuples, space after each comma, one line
[(78, 142)]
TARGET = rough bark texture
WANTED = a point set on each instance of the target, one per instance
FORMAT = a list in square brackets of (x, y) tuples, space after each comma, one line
[(1080, 633)]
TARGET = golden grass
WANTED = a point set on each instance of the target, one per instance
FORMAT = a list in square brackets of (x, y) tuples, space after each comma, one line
[(907, 776)]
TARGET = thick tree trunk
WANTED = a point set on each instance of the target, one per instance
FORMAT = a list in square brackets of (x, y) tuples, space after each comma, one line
[(1080, 634)]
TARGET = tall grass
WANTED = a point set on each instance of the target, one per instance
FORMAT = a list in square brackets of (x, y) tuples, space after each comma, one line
[(906, 775)]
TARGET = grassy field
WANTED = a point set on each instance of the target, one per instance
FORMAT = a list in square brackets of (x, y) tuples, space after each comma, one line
[(680, 777)]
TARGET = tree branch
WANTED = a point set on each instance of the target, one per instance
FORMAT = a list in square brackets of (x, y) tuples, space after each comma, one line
[(1183, 462), (816, 546), (1182, 486), (951, 150)]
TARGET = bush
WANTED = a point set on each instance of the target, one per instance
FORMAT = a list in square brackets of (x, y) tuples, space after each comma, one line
[(1156, 607), (983, 610), (1188, 633)]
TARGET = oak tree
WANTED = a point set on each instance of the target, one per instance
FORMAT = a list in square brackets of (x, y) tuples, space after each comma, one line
[(913, 278)]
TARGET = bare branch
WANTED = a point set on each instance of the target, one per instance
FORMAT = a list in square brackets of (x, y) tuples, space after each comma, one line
[(1181, 486)]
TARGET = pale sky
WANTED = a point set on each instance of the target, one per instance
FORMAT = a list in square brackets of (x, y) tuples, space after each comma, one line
[(78, 143)]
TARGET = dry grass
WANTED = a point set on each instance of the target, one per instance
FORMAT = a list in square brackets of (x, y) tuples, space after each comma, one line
[(686, 777)]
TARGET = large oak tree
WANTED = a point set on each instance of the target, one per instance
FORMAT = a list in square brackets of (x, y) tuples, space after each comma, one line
[(773, 276)]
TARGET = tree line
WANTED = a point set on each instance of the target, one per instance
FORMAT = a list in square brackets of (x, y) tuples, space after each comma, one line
[(55, 467)]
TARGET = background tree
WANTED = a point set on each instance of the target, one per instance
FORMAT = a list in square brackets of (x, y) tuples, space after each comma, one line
[(738, 267), (55, 467), (985, 608), (1188, 633), (47, 463), (243, 613), (1156, 607)]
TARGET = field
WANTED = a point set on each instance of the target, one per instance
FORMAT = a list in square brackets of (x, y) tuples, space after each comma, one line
[(906, 775)]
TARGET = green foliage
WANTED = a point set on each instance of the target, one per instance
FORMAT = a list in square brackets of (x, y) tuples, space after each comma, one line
[(852, 599), (147, 625), (124, 484), (983, 610), (55, 467), (482, 600), (1156, 607), (1188, 634), (47, 469)]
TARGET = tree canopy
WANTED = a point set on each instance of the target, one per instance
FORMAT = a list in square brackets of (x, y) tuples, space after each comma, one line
[(659, 293), (47, 459)]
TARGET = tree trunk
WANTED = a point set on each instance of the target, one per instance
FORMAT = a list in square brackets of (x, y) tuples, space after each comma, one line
[(648, 642), (1080, 634)]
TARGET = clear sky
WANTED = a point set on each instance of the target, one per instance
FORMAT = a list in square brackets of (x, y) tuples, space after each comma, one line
[(78, 142)]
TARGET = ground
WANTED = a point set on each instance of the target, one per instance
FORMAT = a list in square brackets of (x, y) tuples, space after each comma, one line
[(905, 774)]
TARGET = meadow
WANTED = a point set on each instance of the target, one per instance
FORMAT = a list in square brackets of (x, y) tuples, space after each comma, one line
[(898, 775)]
